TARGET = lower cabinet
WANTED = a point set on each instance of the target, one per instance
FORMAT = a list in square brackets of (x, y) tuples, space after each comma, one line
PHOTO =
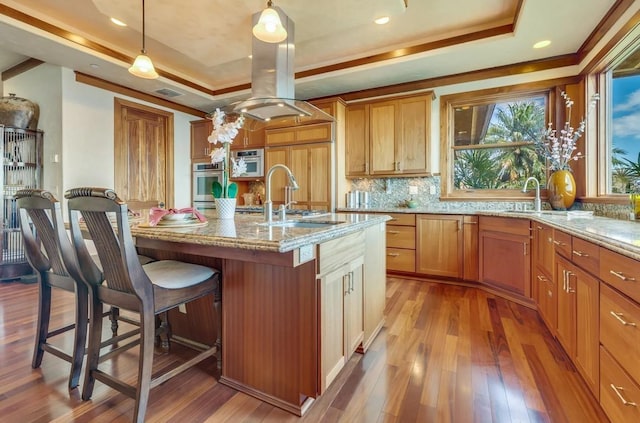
[(578, 320), (401, 243), (505, 253), (439, 245), (341, 278)]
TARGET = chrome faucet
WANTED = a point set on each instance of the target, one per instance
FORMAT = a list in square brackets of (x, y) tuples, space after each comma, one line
[(268, 204), (537, 203), (282, 212)]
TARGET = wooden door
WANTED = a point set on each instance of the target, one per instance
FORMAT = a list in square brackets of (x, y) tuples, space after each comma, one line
[(382, 132), (143, 155), (498, 249), (357, 140), (587, 359), (412, 144)]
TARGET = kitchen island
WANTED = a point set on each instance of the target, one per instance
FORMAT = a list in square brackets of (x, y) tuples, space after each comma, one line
[(296, 300)]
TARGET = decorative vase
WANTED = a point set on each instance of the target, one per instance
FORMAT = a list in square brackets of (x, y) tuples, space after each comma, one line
[(226, 207), (561, 188)]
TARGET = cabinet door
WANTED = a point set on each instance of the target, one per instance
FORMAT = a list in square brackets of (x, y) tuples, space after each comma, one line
[(248, 139), (505, 261), (375, 279), (546, 294), (439, 245), (566, 330), (543, 247), (470, 260), (353, 331), (357, 140), (299, 164), (412, 144), (332, 296), (200, 147), (382, 133), (587, 359), (279, 178), (320, 176)]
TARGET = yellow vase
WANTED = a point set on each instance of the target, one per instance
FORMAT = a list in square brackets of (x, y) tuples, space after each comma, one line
[(561, 188)]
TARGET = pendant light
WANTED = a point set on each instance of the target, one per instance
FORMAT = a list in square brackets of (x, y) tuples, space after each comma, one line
[(269, 27), (142, 66)]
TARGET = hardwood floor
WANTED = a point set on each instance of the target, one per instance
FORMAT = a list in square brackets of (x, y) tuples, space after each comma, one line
[(447, 353)]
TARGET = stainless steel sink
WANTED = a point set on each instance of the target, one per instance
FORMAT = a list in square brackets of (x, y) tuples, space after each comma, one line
[(305, 224)]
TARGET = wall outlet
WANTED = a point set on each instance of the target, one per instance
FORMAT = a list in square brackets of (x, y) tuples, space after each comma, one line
[(182, 308), (432, 190), (413, 190)]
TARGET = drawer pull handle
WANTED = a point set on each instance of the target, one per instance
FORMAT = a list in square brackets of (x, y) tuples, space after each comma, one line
[(393, 254), (541, 278), (618, 317), (621, 276), (580, 253), (558, 242), (617, 390), (393, 232)]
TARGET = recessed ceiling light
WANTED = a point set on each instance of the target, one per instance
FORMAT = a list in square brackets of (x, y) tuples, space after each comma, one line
[(94, 66), (542, 44), (251, 56), (382, 20), (118, 22)]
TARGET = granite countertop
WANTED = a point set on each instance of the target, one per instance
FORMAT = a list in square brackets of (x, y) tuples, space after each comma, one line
[(246, 231), (621, 236)]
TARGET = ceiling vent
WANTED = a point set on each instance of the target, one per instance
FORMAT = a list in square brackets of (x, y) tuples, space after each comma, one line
[(168, 92)]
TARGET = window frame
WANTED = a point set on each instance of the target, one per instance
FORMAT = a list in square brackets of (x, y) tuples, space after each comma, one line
[(448, 103)]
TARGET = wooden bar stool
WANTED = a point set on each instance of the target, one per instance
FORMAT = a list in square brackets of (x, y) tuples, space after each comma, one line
[(149, 289)]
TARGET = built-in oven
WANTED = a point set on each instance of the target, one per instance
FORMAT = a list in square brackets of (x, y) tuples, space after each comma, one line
[(254, 160), (204, 175)]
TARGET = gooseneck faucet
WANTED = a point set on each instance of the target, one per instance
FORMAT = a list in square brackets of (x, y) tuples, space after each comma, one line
[(268, 204), (537, 203)]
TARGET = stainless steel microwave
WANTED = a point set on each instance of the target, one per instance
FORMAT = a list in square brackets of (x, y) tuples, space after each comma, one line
[(254, 160)]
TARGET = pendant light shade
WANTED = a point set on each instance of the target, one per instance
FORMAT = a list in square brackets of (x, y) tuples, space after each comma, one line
[(143, 67), (269, 27)]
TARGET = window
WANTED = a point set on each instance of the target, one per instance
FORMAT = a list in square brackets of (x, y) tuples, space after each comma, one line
[(624, 148), (490, 145)]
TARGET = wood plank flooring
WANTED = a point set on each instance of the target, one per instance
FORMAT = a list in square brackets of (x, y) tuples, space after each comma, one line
[(446, 354)]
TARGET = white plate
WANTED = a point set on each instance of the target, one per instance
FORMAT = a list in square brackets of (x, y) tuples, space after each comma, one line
[(177, 216)]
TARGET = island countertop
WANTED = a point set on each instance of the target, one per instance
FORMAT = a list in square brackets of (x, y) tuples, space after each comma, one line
[(248, 231)]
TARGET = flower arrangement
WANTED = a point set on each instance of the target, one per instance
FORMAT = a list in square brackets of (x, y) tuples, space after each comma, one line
[(559, 149), (224, 132)]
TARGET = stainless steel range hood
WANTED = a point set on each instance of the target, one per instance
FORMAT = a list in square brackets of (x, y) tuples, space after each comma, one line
[(272, 82)]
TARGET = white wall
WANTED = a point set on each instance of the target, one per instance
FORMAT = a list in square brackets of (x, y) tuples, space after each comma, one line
[(78, 125)]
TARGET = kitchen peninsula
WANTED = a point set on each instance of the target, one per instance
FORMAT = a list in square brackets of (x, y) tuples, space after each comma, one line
[(297, 299)]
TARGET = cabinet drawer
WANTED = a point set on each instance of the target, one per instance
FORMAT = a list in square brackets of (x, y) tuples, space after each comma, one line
[(620, 329), (508, 225), (586, 255), (562, 243), (402, 219), (401, 260), (616, 388), (621, 272), (401, 236), (337, 252)]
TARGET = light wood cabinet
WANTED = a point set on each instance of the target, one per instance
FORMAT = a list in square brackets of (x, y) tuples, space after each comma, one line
[(200, 146), (439, 245), (311, 166), (543, 287), (505, 240), (303, 134), (248, 139), (375, 280), (389, 137), (470, 260), (578, 319), (401, 243), (357, 140), (341, 279), (619, 393)]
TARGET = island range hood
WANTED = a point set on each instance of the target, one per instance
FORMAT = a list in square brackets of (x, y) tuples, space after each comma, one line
[(272, 82)]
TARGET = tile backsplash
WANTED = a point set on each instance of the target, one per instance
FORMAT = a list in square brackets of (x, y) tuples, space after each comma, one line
[(394, 192)]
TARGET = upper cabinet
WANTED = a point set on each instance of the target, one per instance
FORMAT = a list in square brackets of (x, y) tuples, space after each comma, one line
[(200, 147), (303, 134), (248, 139), (389, 138)]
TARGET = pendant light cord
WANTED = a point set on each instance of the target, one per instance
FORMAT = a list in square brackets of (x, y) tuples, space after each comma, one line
[(144, 51)]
